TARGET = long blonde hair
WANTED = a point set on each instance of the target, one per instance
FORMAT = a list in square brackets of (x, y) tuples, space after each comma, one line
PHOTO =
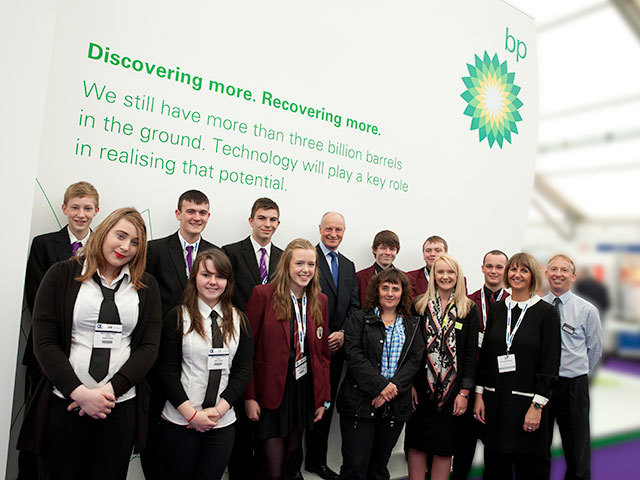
[(462, 303), (93, 257), (282, 284)]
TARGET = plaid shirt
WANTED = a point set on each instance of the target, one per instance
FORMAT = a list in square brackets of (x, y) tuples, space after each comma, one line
[(392, 348)]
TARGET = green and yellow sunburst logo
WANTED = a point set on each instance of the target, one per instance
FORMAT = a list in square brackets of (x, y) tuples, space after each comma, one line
[(492, 99)]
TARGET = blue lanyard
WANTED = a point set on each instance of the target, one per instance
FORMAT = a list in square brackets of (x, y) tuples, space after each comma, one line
[(484, 305), (509, 334), (301, 319)]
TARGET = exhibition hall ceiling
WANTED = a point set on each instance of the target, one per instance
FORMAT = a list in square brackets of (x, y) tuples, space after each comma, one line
[(589, 133)]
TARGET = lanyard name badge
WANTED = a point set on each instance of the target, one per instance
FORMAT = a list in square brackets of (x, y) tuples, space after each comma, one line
[(218, 359), (107, 335), (507, 363), (484, 313), (301, 320)]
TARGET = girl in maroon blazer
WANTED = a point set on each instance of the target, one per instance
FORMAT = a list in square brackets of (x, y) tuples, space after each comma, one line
[(290, 382)]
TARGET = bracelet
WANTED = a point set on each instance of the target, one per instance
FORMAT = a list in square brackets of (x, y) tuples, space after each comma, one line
[(216, 409), (463, 395), (192, 416)]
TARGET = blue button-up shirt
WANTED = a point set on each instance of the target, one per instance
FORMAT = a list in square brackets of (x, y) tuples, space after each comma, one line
[(581, 349)]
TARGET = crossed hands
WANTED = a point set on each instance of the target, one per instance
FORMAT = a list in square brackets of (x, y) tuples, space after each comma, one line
[(95, 402), (386, 395)]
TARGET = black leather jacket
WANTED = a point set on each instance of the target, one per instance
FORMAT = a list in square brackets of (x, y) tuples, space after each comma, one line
[(364, 340)]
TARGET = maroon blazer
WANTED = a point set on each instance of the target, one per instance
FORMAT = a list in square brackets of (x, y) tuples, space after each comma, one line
[(363, 282), (418, 281), (475, 296), (271, 342)]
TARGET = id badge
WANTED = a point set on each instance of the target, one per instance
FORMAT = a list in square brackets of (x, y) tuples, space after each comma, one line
[(301, 367), (218, 359), (506, 363), (568, 328), (107, 335), (480, 339), (458, 326)]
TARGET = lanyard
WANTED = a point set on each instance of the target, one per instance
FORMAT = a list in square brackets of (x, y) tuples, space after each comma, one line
[(445, 320), (509, 334), (484, 305), (301, 319), (426, 273), (388, 345)]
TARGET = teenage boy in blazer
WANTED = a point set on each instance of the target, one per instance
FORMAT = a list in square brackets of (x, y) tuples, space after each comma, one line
[(169, 260), (251, 267), (343, 300), (386, 246), (80, 204), (432, 248)]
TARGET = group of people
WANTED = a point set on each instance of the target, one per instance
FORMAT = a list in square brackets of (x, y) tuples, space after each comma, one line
[(204, 358)]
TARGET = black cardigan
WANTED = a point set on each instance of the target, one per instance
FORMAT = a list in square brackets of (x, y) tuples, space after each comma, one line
[(169, 369), (52, 324)]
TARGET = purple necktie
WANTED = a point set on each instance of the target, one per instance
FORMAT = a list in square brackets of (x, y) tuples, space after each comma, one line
[(189, 259), (263, 266), (75, 246)]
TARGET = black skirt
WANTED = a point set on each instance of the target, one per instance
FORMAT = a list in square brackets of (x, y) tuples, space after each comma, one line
[(433, 430)]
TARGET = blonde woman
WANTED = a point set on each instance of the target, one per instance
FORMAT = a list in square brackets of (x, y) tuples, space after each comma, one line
[(290, 382), (449, 323)]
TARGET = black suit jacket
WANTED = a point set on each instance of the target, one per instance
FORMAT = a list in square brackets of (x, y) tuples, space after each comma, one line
[(165, 262), (246, 270), (46, 250), (342, 300)]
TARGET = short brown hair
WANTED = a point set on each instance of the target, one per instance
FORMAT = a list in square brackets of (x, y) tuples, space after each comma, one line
[(388, 238), (563, 257), (495, 252), (92, 254), (524, 260), (195, 196), (436, 239), (397, 277), (265, 204), (81, 189)]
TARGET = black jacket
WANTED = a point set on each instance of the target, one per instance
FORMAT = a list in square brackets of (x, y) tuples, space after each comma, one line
[(364, 340)]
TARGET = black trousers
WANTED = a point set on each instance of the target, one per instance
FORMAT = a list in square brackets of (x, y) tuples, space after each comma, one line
[(79, 448), (243, 463), (569, 407), (367, 446), (190, 455), (501, 466), (317, 439), (470, 430)]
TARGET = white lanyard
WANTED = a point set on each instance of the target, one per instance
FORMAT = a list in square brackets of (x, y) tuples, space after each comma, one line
[(509, 334), (426, 274), (301, 319), (484, 305)]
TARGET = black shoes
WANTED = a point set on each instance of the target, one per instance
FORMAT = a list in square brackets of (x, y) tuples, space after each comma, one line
[(323, 472)]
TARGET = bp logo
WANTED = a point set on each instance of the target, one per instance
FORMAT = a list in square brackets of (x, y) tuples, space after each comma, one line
[(492, 99)]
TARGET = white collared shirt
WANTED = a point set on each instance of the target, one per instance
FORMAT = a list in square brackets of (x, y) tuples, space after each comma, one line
[(258, 252), (327, 256), (85, 316), (195, 371), (73, 238), (185, 244)]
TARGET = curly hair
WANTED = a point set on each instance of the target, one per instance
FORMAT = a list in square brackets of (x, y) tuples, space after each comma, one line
[(396, 277)]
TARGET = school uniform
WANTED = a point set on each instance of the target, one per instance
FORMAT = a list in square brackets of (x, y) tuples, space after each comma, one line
[(62, 343), (184, 374)]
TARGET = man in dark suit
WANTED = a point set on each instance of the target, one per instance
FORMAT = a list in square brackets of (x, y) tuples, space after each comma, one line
[(80, 205), (432, 248), (254, 262), (339, 283), (386, 246), (169, 260), (255, 258)]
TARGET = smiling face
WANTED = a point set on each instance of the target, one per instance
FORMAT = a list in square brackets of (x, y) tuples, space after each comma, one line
[(519, 279), (389, 295), (332, 230), (493, 270), (193, 218), (445, 276), (431, 251), (210, 284), (385, 255), (120, 246), (80, 212), (264, 224), (560, 275), (301, 269)]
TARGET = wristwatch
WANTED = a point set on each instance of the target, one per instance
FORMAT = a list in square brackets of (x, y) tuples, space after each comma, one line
[(537, 406)]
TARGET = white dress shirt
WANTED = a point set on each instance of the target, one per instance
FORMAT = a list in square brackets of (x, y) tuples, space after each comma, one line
[(326, 252), (185, 244)]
